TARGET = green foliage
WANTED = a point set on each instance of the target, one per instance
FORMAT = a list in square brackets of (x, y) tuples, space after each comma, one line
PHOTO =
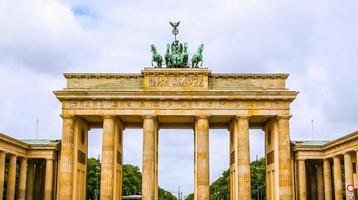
[(93, 178), (190, 197), (132, 181), (258, 178), (165, 195), (220, 189)]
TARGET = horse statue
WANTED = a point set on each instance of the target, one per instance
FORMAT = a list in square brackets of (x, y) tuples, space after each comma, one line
[(198, 57), (156, 57), (185, 55), (168, 57)]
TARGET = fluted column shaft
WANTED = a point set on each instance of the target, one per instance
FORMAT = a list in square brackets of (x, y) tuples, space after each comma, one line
[(327, 179), (107, 165), (320, 186), (302, 179), (337, 178), (149, 158), (30, 181), (2, 173), (11, 178), (348, 171), (67, 159), (48, 179), (313, 181), (242, 158), (201, 172), (38, 180), (22, 179), (285, 168)]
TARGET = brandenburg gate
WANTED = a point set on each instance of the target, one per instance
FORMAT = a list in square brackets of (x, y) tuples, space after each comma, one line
[(181, 95), (159, 98)]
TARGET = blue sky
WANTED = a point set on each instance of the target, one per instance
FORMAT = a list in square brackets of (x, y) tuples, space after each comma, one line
[(315, 41)]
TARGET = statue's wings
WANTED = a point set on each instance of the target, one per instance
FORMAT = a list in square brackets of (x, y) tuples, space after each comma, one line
[(174, 24)]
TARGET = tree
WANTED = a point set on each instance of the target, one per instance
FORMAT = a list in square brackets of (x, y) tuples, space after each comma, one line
[(220, 189), (131, 181), (93, 178)]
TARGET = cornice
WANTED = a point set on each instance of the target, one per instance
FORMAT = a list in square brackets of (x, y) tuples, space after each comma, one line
[(283, 76), (102, 75), (200, 71), (189, 95)]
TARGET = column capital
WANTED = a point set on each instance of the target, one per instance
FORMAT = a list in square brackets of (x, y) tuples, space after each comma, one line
[(67, 116), (12, 155), (149, 117), (283, 116), (202, 117), (108, 116), (242, 116), (347, 153)]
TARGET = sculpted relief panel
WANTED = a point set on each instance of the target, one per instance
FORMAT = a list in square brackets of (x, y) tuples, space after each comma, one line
[(172, 81)]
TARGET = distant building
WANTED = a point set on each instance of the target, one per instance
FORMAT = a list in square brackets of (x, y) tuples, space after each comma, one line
[(132, 197)]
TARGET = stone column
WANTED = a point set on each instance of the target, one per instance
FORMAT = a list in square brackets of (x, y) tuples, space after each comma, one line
[(242, 158), (284, 147), (348, 171), (48, 179), (149, 161), (2, 173), (11, 181), (38, 180), (337, 178), (67, 159), (22, 179), (302, 180), (30, 181), (327, 179), (320, 186), (201, 171), (313, 181), (108, 165)]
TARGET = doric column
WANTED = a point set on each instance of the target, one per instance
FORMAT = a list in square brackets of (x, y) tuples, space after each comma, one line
[(302, 180), (22, 179), (242, 158), (30, 181), (348, 171), (2, 173), (285, 169), (67, 159), (320, 186), (337, 178), (11, 181), (313, 181), (149, 183), (48, 179), (38, 180), (201, 160), (327, 179), (107, 165)]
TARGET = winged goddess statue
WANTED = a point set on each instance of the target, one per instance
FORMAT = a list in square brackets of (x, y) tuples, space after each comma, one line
[(175, 30)]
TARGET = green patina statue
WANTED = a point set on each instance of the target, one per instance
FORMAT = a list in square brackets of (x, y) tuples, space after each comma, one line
[(176, 55), (156, 57), (198, 57)]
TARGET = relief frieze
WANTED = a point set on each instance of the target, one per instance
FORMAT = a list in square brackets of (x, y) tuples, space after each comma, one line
[(175, 81), (173, 104)]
